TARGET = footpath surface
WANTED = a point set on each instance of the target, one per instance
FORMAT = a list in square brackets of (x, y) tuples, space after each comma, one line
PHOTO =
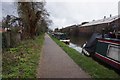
[(55, 63)]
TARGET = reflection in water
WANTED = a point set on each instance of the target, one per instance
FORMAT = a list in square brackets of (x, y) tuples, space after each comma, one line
[(77, 42), (77, 48)]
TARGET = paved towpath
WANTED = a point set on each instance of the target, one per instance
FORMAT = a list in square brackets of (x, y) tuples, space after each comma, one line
[(55, 63)]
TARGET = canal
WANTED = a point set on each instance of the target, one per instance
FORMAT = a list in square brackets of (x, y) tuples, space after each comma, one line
[(77, 42)]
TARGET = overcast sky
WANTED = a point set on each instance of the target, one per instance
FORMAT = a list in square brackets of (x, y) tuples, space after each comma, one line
[(68, 12)]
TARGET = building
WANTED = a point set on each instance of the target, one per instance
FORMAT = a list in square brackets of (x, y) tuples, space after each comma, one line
[(108, 24)]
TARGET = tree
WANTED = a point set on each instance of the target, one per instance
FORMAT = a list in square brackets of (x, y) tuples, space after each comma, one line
[(56, 30), (32, 14)]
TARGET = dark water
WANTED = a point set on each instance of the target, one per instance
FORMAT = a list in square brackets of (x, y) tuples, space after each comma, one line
[(77, 42)]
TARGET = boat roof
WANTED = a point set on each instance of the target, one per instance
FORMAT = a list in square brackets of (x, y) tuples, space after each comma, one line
[(112, 39), (101, 21), (59, 33)]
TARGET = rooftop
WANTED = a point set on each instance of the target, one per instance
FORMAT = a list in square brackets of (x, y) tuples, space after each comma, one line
[(101, 21)]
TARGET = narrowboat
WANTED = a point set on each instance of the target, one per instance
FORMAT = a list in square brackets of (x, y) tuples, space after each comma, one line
[(62, 37), (108, 50), (105, 49)]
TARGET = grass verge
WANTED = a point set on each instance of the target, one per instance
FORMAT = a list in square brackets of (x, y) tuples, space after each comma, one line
[(88, 64), (22, 61)]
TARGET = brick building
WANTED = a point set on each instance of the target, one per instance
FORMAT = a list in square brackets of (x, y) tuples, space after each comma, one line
[(109, 24)]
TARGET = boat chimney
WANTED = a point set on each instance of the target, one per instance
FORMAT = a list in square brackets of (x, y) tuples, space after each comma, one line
[(103, 32), (110, 15), (104, 17)]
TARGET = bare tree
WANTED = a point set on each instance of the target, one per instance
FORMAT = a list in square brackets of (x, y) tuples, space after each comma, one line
[(32, 14)]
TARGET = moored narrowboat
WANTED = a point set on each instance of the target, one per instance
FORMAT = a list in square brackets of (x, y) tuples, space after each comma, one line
[(105, 49), (108, 50), (63, 37)]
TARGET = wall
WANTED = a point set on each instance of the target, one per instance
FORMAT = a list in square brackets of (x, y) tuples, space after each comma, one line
[(10, 39), (88, 30)]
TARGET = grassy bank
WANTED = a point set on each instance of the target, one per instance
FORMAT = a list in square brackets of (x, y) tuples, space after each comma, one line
[(87, 63), (22, 61)]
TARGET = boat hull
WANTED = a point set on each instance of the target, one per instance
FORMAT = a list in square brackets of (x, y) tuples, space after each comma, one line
[(108, 51), (109, 61)]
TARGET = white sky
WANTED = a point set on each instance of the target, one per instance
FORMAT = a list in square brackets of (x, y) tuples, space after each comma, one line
[(68, 12)]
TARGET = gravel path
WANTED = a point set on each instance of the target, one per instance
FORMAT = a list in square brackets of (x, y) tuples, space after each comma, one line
[(55, 63)]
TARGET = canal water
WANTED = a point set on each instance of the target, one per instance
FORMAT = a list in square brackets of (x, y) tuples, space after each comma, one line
[(74, 46), (77, 42)]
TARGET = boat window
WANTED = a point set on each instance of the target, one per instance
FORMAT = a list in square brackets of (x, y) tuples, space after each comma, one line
[(114, 52)]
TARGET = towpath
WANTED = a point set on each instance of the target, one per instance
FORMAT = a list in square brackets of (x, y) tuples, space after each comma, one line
[(55, 63)]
